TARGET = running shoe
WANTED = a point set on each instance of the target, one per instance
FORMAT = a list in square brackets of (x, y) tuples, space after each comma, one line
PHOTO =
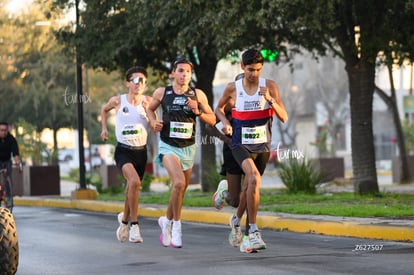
[(176, 240), (235, 236), (256, 241), (135, 234), (122, 231), (165, 225), (245, 246), (218, 197)]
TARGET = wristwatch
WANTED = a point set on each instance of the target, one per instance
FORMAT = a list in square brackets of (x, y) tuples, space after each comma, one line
[(271, 101)]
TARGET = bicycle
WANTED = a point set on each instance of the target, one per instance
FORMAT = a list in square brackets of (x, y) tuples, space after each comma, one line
[(6, 190)]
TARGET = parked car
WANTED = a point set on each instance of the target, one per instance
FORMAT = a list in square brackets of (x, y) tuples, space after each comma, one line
[(66, 154)]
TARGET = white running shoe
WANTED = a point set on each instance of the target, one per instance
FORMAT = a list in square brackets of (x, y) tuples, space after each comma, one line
[(245, 246), (176, 235), (256, 241), (165, 225), (218, 197), (135, 234), (122, 231), (235, 236)]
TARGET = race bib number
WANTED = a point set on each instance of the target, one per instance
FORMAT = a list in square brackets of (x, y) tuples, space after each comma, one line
[(254, 135), (182, 130), (134, 135), (132, 130)]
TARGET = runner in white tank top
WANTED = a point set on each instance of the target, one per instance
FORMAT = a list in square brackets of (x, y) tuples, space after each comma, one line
[(131, 127), (131, 124)]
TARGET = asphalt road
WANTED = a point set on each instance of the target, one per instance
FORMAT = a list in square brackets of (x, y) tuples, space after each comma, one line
[(62, 241)]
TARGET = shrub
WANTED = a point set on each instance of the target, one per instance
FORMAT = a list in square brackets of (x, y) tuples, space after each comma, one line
[(146, 182), (74, 174), (214, 177), (299, 175), (94, 180)]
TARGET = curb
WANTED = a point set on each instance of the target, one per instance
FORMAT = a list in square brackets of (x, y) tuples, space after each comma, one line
[(361, 228)]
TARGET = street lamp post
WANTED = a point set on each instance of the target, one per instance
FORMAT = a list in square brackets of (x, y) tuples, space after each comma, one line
[(82, 182)]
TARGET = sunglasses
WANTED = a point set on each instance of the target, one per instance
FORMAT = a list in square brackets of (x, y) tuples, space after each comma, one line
[(137, 80)]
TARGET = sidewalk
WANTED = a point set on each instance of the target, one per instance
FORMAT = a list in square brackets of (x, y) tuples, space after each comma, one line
[(372, 228)]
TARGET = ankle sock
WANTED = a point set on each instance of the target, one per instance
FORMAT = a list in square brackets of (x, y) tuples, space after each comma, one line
[(236, 220), (253, 228)]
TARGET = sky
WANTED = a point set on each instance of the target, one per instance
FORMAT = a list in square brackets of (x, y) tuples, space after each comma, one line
[(16, 5)]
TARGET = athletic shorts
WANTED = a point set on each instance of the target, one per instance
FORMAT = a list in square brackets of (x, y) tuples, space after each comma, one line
[(260, 159), (184, 154), (230, 165), (138, 158)]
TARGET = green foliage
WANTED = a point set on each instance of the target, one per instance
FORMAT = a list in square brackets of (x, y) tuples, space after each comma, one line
[(347, 210), (269, 55), (299, 175), (213, 177), (408, 129), (95, 180), (74, 174), (146, 182), (30, 145), (277, 200), (320, 27), (321, 141), (115, 190)]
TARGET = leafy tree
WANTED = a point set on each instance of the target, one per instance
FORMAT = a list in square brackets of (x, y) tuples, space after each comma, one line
[(116, 34), (398, 51), (30, 145), (38, 76), (356, 31), (408, 129)]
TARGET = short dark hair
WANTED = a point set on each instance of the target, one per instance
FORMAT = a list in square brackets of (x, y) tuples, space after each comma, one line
[(181, 60), (4, 123), (239, 76), (252, 56), (135, 69)]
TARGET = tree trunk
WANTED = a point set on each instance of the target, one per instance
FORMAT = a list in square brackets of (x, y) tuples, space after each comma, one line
[(205, 75), (391, 102), (405, 175), (55, 147), (361, 82), (398, 128)]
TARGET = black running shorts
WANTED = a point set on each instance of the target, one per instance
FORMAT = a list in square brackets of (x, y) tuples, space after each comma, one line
[(260, 159), (138, 158), (230, 165)]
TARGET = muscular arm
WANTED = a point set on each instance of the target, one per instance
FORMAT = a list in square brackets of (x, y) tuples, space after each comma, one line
[(278, 106), (156, 125), (213, 131), (112, 103), (207, 114), (227, 97)]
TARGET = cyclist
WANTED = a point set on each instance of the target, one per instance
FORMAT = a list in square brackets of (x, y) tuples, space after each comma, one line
[(8, 149)]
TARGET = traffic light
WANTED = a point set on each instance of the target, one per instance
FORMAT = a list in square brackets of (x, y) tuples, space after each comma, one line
[(269, 55)]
